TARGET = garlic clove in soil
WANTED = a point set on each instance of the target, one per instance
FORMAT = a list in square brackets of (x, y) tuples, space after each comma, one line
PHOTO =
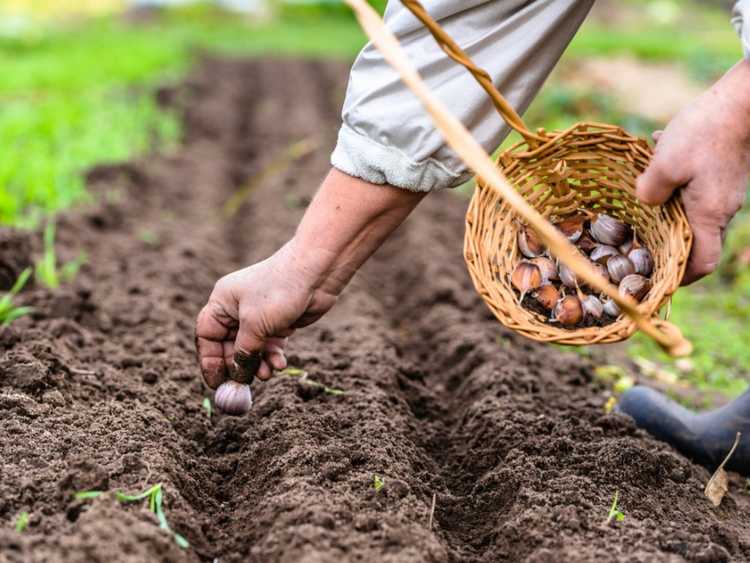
[(233, 398), (546, 268), (642, 260), (618, 267), (635, 285), (609, 230), (529, 243)]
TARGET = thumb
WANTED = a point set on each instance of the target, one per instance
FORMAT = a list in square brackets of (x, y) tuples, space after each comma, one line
[(248, 351), (706, 252), (661, 178)]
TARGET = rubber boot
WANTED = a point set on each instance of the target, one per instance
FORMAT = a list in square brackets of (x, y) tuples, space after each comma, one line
[(704, 437)]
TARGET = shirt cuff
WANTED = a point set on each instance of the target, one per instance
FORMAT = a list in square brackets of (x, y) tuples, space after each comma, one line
[(740, 16), (362, 157)]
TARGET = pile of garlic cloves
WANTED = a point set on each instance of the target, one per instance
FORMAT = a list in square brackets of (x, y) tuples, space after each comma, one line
[(548, 286)]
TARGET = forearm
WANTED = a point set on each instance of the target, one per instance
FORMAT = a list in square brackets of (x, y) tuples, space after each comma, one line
[(346, 222)]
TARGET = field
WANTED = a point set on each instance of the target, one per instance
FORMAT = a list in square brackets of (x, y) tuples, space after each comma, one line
[(410, 425)]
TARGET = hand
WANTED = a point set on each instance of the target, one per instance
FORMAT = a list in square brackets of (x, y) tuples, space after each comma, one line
[(254, 310), (705, 150)]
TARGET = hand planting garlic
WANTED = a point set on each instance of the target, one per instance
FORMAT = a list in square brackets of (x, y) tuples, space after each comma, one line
[(614, 252)]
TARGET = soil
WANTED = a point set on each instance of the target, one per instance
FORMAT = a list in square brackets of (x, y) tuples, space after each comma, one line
[(99, 388)]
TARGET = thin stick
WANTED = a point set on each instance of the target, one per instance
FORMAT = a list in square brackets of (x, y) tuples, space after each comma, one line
[(474, 156), (432, 510)]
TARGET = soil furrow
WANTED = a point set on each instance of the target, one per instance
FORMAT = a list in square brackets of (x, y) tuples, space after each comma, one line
[(99, 389)]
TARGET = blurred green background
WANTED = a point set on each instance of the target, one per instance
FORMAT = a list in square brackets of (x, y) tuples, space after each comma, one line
[(77, 81)]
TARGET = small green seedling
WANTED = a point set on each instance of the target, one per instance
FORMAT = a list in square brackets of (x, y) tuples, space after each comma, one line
[(48, 272), (305, 380), (22, 522), (8, 311), (614, 512), (208, 407), (148, 237), (377, 483), (155, 496)]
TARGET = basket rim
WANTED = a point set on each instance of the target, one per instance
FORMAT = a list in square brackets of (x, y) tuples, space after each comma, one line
[(624, 326)]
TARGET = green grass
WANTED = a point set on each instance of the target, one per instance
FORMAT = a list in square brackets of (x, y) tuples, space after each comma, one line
[(75, 97), (155, 497), (49, 272), (9, 311), (713, 314)]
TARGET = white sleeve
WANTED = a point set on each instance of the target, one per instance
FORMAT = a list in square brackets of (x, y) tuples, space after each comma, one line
[(387, 137), (741, 14)]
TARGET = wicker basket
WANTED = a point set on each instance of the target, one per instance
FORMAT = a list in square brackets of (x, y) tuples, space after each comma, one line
[(589, 166)]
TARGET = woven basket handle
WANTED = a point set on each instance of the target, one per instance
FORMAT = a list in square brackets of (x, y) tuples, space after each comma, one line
[(455, 52), (461, 141)]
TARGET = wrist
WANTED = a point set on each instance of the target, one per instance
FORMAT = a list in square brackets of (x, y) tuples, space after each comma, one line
[(346, 222), (732, 93)]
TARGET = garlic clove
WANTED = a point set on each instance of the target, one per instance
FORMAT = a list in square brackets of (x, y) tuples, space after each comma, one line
[(635, 286), (611, 308), (547, 296), (529, 243), (603, 252), (526, 277), (233, 398), (609, 230), (586, 244), (546, 267), (567, 276), (572, 227), (618, 267), (642, 260), (592, 307), (568, 311), (601, 269)]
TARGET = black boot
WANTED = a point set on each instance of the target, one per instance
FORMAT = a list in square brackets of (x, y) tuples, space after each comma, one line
[(704, 437)]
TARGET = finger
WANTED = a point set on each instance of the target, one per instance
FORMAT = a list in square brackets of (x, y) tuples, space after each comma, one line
[(657, 183), (274, 354), (212, 364), (247, 363), (705, 254), (210, 330), (656, 134), (264, 371)]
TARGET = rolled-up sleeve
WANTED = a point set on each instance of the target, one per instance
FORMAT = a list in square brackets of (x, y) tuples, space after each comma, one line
[(740, 19), (388, 138)]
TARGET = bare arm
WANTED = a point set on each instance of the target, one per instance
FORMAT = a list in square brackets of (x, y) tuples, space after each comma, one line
[(257, 308)]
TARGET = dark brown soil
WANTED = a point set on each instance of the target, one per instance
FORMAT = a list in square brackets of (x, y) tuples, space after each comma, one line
[(99, 389)]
